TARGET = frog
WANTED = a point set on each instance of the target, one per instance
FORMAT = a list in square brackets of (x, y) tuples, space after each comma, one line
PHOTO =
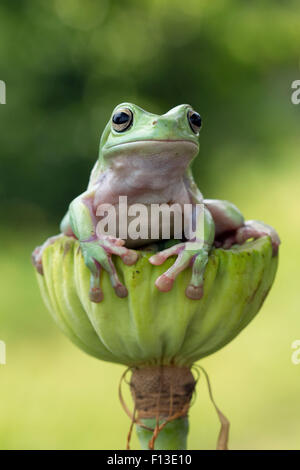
[(148, 158)]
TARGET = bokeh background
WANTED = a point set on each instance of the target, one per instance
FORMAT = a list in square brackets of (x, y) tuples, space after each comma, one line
[(66, 64)]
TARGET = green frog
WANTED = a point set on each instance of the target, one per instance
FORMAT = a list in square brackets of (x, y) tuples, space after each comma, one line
[(147, 159)]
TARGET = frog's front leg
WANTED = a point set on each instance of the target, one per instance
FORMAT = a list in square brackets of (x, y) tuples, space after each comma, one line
[(97, 252), (231, 227), (191, 253)]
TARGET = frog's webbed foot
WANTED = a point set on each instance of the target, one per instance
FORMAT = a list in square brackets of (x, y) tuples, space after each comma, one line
[(37, 254), (251, 229), (97, 255), (186, 256)]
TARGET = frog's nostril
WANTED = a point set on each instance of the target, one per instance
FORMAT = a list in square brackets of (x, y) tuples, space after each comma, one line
[(154, 122)]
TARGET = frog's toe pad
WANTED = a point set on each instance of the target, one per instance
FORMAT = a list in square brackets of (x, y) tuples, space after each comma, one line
[(96, 294), (157, 259), (194, 292), (164, 283), (121, 291), (130, 257)]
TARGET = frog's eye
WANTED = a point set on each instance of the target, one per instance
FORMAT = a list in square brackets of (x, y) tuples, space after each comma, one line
[(195, 121), (122, 119)]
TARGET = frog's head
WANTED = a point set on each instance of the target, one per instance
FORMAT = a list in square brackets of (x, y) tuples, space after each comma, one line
[(132, 132)]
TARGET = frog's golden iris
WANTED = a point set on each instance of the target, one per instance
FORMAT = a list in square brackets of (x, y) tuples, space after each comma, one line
[(122, 119), (195, 121)]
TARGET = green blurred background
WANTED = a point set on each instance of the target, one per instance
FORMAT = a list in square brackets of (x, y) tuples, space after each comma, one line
[(66, 64)]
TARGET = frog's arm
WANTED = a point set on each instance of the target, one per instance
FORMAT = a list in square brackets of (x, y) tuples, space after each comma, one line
[(231, 227), (65, 225), (97, 251), (81, 217)]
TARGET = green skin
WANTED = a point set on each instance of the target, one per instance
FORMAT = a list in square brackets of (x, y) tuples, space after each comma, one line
[(147, 158)]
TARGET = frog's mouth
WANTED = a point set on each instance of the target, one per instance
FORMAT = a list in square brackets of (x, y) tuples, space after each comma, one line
[(154, 141), (155, 153)]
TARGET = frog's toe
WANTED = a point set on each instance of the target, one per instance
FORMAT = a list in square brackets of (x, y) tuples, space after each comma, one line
[(97, 257), (164, 283), (194, 292), (130, 257), (39, 268), (116, 247), (121, 290), (256, 229), (228, 242), (160, 258), (96, 294), (157, 259), (36, 259), (37, 254)]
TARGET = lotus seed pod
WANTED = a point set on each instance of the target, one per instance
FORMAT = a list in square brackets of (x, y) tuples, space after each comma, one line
[(159, 335)]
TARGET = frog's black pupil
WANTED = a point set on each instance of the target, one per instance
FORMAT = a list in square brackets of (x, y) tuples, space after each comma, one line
[(121, 118), (195, 119)]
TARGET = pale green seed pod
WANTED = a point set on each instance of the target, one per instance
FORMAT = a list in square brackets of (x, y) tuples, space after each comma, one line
[(150, 327)]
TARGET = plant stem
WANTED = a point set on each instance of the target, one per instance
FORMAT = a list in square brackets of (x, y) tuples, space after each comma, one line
[(173, 436)]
